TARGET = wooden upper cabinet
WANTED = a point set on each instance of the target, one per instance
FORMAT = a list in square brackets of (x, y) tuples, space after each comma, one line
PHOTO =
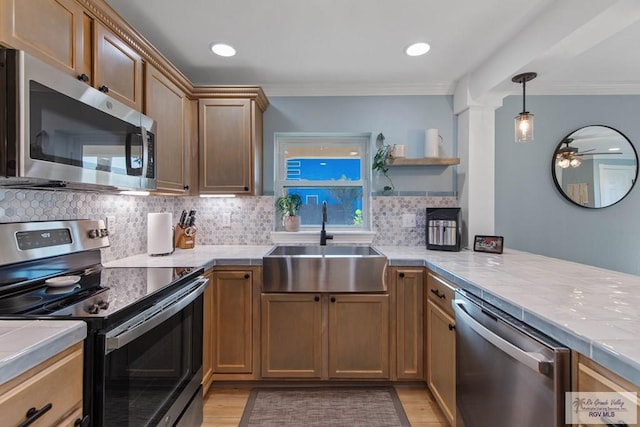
[(117, 67), (230, 139), (53, 30), (167, 105)]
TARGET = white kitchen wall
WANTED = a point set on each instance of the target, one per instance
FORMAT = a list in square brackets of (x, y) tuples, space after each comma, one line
[(252, 218)]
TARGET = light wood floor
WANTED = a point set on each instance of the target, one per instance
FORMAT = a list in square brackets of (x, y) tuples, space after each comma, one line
[(223, 406)]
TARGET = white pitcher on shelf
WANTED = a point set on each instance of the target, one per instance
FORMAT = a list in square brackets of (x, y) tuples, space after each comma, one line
[(431, 143)]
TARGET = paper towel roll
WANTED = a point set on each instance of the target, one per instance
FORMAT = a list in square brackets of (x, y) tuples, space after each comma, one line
[(431, 142), (159, 233)]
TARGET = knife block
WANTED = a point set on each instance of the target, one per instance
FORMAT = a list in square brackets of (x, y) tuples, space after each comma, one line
[(185, 238)]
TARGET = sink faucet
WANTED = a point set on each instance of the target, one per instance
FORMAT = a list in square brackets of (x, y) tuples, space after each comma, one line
[(323, 234)]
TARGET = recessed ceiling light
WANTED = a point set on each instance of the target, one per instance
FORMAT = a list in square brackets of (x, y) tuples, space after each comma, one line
[(418, 49), (223, 49)]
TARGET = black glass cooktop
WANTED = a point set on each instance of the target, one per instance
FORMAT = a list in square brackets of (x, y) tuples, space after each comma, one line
[(100, 292)]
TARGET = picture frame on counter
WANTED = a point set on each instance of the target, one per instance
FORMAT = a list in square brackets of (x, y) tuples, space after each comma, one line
[(491, 244)]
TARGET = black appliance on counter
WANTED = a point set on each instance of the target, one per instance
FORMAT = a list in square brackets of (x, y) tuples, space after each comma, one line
[(444, 229), (143, 351)]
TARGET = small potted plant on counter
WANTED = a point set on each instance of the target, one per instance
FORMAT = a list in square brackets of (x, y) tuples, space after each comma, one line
[(287, 206)]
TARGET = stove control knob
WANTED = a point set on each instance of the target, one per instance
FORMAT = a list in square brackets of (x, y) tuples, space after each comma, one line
[(94, 233), (103, 305), (104, 232), (93, 309)]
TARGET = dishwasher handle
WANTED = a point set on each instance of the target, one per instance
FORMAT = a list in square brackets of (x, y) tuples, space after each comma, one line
[(535, 361)]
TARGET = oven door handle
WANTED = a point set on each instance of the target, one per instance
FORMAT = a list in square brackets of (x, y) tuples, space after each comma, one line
[(153, 317), (535, 361)]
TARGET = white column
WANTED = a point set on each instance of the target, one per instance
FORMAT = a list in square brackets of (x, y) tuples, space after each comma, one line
[(476, 172)]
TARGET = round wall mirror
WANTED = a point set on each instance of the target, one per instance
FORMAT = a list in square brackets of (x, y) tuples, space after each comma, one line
[(595, 166)]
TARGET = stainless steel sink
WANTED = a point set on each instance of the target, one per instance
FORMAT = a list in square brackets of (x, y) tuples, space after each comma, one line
[(324, 269)]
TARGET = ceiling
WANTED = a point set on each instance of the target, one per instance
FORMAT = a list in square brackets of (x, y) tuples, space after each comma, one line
[(356, 47)]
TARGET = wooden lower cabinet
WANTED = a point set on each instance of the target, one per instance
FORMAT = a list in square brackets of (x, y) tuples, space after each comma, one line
[(589, 376), (359, 336), (441, 345), (42, 385), (409, 291), (292, 344), (326, 336), (234, 323), (441, 359)]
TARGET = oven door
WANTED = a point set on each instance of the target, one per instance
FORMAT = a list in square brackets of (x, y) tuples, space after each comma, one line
[(152, 370)]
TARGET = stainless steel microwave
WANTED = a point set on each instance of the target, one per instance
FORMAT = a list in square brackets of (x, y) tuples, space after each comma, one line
[(56, 131)]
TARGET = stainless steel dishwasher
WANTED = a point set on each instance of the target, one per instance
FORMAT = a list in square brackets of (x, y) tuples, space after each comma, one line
[(507, 374)]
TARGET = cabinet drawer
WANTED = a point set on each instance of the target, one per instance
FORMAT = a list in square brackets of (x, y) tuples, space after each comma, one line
[(441, 292), (57, 381)]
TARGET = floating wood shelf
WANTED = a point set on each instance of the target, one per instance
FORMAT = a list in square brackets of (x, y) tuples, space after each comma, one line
[(425, 161)]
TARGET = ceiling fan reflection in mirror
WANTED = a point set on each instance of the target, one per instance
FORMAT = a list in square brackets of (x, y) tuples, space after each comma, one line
[(570, 156)]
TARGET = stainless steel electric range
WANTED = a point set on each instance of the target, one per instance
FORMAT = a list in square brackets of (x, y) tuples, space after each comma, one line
[(143, 352)]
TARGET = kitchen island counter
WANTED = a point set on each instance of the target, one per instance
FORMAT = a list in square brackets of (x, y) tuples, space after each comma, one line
[(591, 310)]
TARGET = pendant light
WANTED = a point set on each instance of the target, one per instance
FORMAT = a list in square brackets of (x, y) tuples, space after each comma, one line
[(524, 120)]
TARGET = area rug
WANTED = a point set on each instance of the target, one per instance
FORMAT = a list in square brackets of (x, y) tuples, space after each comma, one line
[(326, 407)]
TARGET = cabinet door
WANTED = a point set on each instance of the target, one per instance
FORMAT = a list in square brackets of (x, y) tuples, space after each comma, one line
[(53, 30), (207, 335), (409, 323), (359, 336), (441, 359), (166, 104), (118, 68), (232, 326), (292, 335), (226, 152)]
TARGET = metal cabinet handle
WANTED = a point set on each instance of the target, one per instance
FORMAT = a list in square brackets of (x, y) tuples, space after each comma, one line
[(451, 327), (535, 361), (33, 414), (82, 422), (438, 294), (317, 298), (83, 77), (104, 89), (333, 299), (246, 276), (401, 275)]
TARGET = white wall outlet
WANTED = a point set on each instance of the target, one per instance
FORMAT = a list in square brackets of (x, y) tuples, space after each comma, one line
[(110, 222), (408, 220), (226, 219)]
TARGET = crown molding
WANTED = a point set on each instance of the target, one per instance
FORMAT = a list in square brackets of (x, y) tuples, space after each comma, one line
[(358, 89), (583, 88)]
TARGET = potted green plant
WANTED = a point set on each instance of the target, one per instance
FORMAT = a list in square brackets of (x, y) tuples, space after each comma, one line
[(380, 160), (287, 206)]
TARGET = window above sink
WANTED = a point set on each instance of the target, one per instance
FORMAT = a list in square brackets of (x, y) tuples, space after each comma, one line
[(327, 167)]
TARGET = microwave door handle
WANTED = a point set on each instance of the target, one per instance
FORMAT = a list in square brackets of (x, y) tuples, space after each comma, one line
[(145, 151), (532, 360), (128, 154)]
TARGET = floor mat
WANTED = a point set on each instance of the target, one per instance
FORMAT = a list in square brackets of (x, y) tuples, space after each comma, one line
[(326, 407)]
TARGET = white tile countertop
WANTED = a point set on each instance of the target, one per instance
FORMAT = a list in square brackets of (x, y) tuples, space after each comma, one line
[(200, 256), (591, 310), (27, 343)]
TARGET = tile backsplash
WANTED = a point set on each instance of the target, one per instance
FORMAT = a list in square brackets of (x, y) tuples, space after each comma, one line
[(252, 218)]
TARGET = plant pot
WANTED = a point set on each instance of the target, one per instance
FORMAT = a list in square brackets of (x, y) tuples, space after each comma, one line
[(292, 223)]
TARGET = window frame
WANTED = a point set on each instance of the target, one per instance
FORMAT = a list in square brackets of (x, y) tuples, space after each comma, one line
[(284, 139)]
